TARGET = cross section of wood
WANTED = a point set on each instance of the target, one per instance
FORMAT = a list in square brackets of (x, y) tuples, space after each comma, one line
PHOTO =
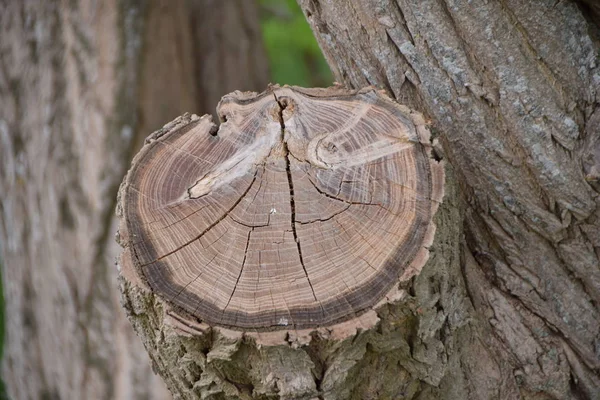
[(305, 208)]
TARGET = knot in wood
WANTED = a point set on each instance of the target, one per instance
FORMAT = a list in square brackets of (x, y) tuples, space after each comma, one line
[(304, 209)]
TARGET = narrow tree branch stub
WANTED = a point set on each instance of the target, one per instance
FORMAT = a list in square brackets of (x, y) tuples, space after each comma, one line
[(305, 209)]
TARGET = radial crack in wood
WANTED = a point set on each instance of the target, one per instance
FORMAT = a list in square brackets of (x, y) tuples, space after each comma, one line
[(306, 208)]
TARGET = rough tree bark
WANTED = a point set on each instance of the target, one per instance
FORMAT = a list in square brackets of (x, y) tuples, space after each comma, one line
[(81, 83), (512, 89)]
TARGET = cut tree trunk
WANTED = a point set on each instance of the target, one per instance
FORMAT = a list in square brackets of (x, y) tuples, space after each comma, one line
[(279, 255), (79, 81), (512, 90)]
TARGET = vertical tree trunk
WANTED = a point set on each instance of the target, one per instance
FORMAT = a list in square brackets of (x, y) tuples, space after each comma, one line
[(511, 88), (78, 85)]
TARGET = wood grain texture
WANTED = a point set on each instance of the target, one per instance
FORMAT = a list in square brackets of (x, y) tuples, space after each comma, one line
[(303, 209)]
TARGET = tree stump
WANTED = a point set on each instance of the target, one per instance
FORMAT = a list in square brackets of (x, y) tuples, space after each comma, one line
[(276, 255)]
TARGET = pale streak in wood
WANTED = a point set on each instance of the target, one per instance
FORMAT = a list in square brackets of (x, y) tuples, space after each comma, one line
[(262, 228)]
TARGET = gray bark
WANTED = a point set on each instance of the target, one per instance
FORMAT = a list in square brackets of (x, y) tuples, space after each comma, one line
[(76, 98), (511, 89)]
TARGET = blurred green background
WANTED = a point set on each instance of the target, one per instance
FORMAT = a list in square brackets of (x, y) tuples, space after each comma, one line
[(294, 58), (294, 55)]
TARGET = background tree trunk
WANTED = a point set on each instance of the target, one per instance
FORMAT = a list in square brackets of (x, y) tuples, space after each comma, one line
[(512, 89), (81, 84)]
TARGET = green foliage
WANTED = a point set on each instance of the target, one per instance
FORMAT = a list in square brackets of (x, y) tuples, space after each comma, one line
[(294, 55)]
